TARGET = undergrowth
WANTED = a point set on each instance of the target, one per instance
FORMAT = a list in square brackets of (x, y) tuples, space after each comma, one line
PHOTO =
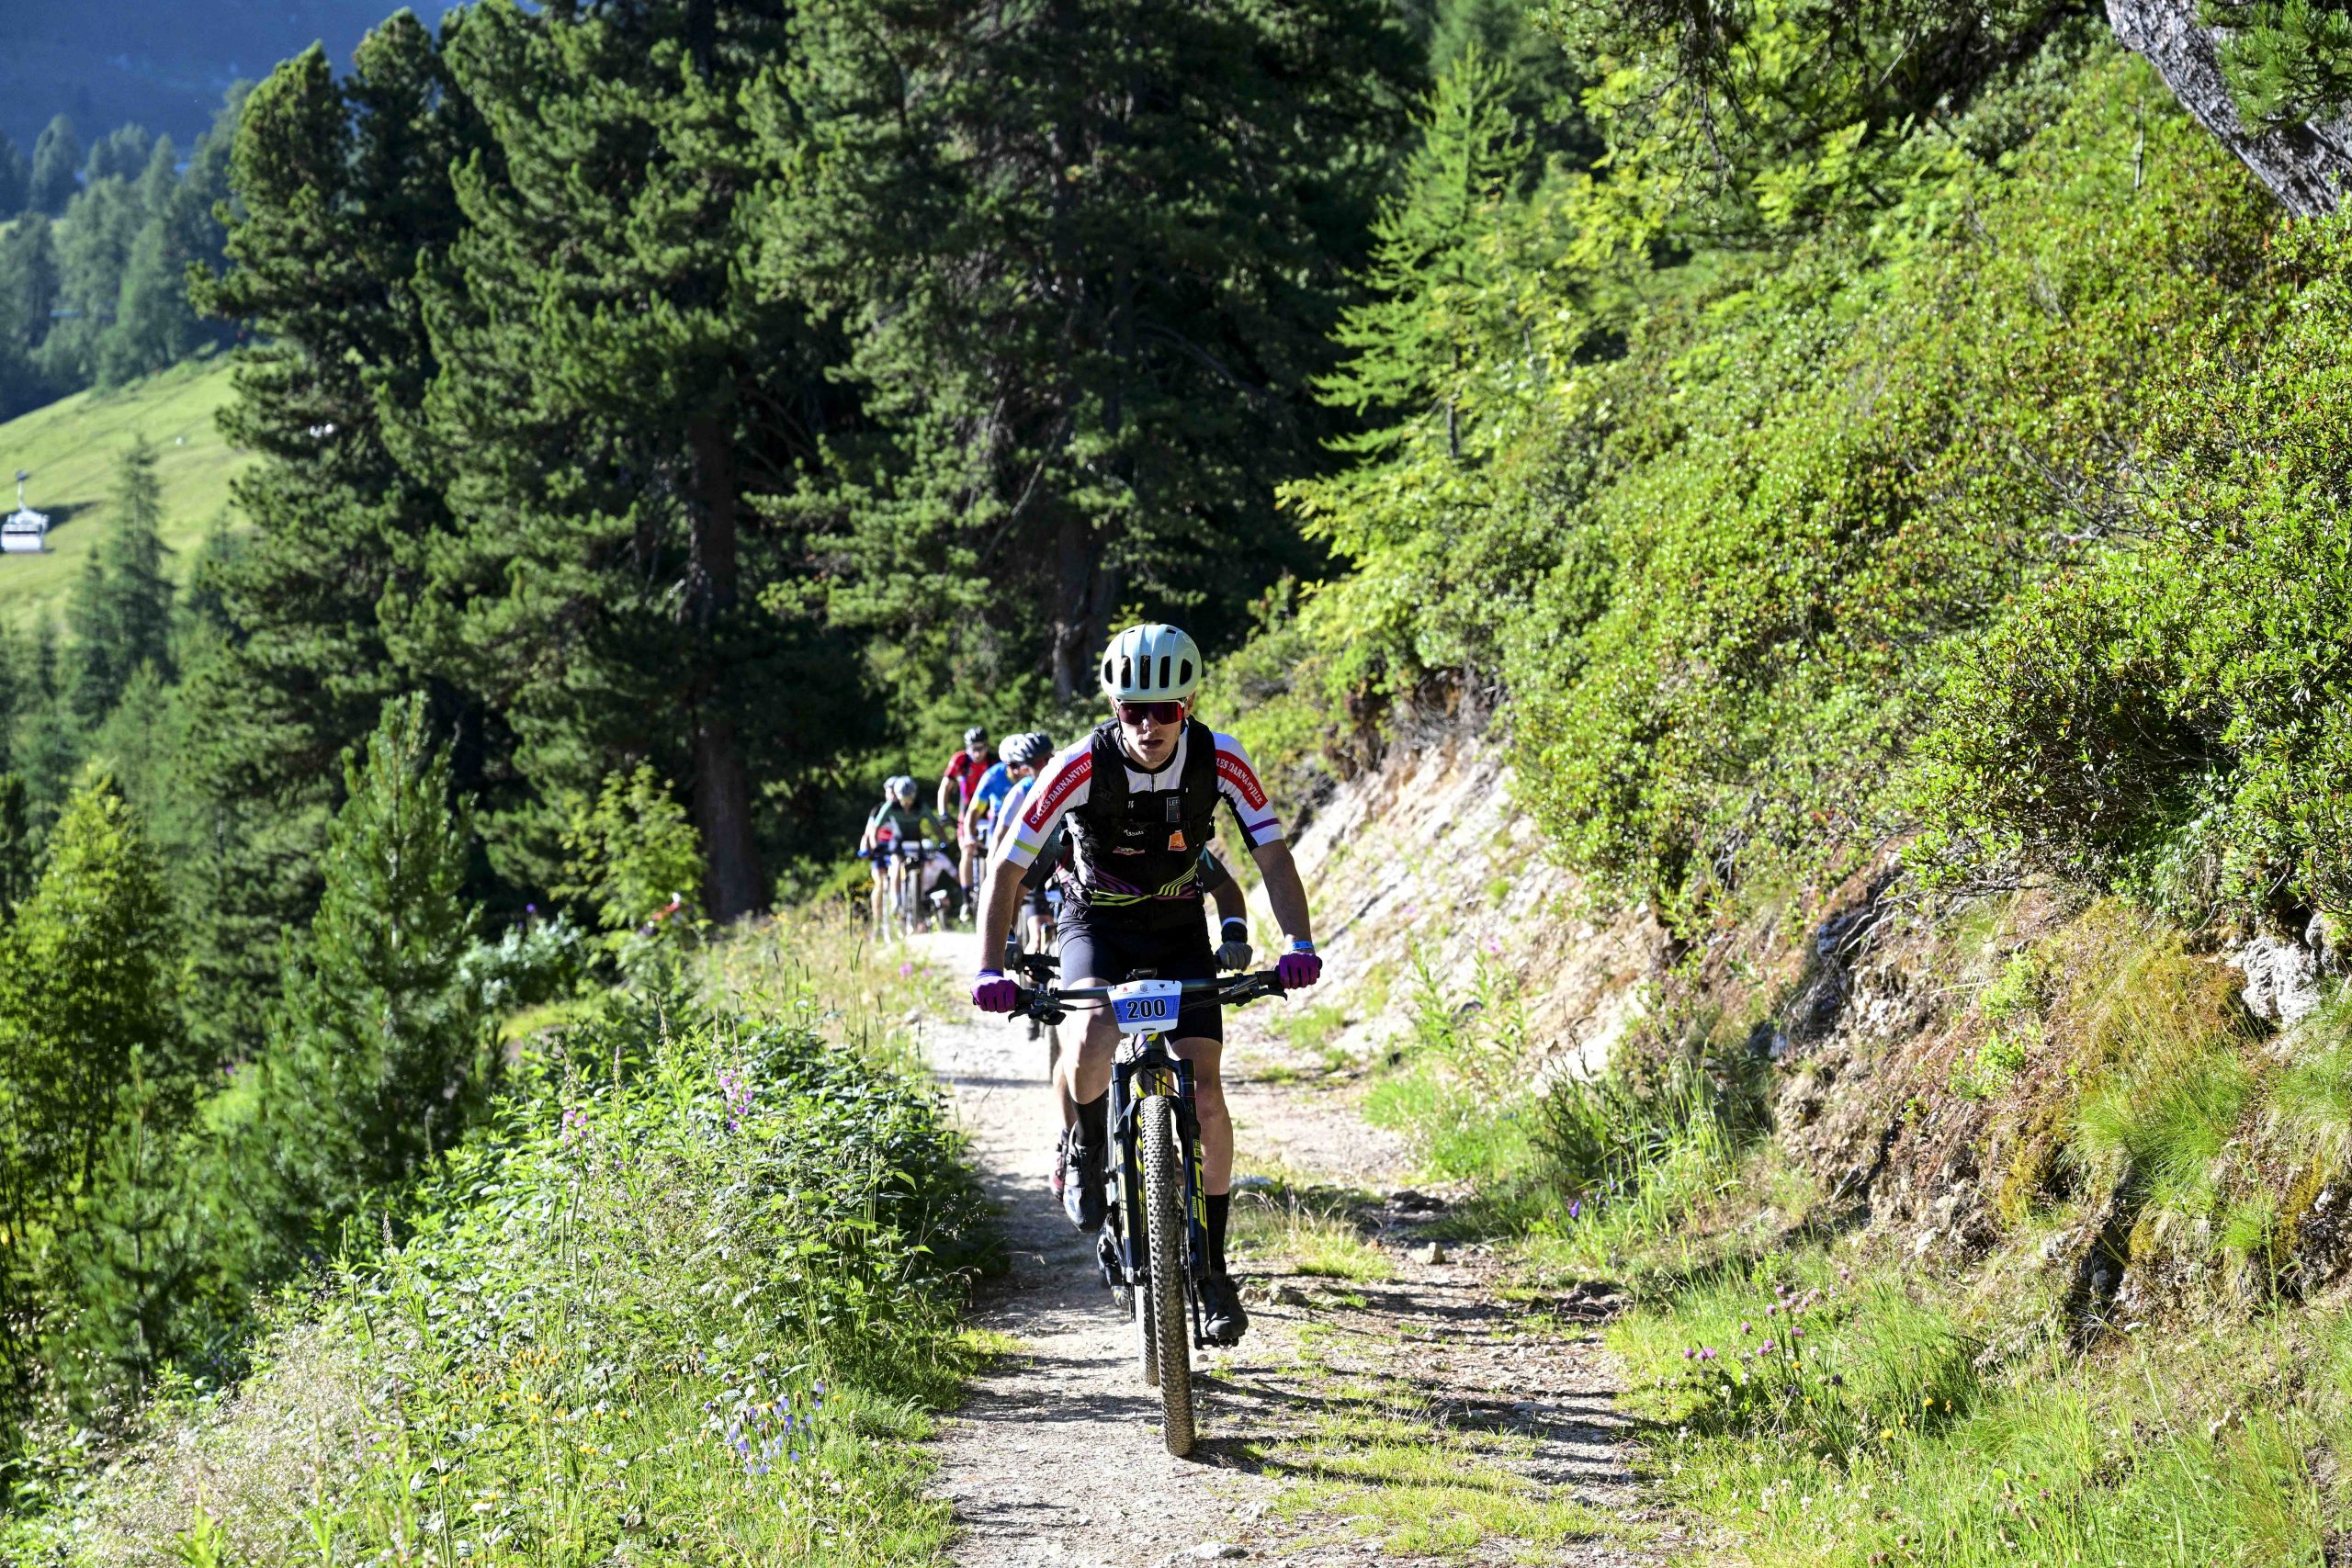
[(688, 1300)]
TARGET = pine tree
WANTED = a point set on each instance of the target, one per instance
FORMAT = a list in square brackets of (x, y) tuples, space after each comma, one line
[(94, 244), (93, 977), (27, 293), (1426, 270), (620, 414), (15, 846), (120, 614), (2287, 61), (121, 154), (342, 191), (15, 179), (1093, 251), (377, 1055), (136, 1255), (56, 156)]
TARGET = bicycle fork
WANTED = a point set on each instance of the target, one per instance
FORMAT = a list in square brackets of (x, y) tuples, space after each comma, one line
[(1132, 1081)]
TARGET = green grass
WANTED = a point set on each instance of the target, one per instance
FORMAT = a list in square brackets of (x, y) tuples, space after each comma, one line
[(2193, 1448), (1314, 1239), (72, 447)]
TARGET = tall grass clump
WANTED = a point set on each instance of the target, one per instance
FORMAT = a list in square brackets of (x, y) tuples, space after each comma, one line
[(1874, 1431), (1463, 1089), (684, 1302)]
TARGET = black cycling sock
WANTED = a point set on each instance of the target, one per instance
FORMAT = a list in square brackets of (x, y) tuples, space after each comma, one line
[(1094, 1122), (1220, 1206)]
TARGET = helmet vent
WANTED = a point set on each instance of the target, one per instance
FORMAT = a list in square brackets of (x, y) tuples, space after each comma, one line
[(1163, 672), (1184, 673)]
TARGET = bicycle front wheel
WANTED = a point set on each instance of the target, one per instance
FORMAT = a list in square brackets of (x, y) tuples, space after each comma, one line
[(1163, 1206)]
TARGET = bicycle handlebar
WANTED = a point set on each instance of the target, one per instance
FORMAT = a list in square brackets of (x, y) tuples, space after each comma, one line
[(1047, 1006)]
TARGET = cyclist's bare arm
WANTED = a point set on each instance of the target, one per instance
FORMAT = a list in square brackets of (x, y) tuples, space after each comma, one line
[(1285, 896), (1232, 904), (1000, 897)]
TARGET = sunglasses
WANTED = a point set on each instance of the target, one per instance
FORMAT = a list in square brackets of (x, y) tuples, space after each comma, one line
[(1159, 713)]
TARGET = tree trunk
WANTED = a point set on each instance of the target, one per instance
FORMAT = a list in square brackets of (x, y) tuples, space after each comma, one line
[(1070, 603), (732, 884), (722, 805), (2306, 165)]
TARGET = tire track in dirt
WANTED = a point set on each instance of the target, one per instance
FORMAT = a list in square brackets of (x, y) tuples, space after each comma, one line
[(1056, 1458)]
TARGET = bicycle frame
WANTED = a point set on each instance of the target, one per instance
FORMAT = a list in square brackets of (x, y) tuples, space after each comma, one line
[(1137, 1074), (1145, 1068)]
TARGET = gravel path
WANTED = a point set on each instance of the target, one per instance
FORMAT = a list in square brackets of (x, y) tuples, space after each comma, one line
[(1056, 1458)]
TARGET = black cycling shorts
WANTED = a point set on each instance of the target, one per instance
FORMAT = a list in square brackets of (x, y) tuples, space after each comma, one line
[(1112, 954)]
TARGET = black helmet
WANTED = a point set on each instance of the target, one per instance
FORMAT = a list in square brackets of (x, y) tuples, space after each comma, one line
[(1028, 749), (974, 736)]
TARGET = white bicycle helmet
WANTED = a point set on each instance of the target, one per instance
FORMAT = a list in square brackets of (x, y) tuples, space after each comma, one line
[(1150, 663)]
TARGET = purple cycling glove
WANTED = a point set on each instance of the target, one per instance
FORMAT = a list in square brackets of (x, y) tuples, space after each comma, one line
[(991, 992), (1298, 969)]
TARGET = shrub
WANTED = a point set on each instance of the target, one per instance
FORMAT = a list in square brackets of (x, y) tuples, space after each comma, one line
[(2177, 715)]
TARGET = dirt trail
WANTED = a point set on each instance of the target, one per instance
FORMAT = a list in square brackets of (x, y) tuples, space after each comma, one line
[(1056, 1458)]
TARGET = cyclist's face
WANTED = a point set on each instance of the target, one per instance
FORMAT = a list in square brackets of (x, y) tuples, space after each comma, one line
[(1151, 738)]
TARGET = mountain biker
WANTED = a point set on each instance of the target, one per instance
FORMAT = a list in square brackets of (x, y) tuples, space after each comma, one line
[(1138, 797), (895, 821), (1232, 953), (962, 776), (976, 829), (1023, 755)]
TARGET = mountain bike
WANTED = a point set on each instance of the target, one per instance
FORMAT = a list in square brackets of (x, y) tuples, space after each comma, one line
[(909, 864), (1154, 1248)]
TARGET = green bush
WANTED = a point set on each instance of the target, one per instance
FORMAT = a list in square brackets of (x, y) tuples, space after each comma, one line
[(592, 1335), (2175, 715)]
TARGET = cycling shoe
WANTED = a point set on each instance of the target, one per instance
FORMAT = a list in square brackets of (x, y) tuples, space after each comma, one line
[(1081, 1183), (1059, 1182), (1222, 1320), (1106, 1260)]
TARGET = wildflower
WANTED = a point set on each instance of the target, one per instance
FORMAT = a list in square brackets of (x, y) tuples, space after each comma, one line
[(1688, 1352), (1765, 1348), (1575, 1207), (1746, 1327)]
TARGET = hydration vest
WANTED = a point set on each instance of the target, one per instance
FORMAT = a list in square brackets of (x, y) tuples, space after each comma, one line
[(1135, 853)]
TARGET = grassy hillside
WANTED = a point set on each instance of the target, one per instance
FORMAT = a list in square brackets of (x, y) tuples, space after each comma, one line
[(72, 447)]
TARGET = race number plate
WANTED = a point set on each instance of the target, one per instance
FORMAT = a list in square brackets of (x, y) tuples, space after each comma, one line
[(1147, 1007)]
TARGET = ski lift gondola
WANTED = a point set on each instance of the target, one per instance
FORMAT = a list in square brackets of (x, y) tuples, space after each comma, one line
[(24, 531)]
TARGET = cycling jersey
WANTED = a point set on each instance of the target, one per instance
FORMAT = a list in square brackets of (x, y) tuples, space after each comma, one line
[(1139, 871), (965, 770), (1009, 815), (988, 796), (892, 822)]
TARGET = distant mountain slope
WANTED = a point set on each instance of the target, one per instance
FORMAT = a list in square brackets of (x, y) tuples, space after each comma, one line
[(72, 447), (163, 64)]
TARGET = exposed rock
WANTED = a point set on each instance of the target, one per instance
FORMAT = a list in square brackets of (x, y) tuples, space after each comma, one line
[(2281, 978), (1431, 1255)]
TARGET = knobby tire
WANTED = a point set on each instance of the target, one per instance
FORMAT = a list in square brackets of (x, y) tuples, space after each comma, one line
[(1163, 1215)]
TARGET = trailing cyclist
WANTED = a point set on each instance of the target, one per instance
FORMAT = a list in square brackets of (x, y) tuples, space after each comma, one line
[(983, 809), (957, 783), (1138, 799), (894, 822)]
